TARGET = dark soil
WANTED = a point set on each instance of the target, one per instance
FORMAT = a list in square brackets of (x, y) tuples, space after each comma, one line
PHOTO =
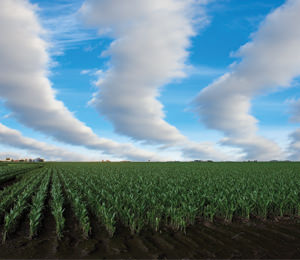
[(257, 239)]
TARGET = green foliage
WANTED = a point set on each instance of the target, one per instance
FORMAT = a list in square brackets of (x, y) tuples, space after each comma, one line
[(79, 208), (10, 171), (8, 196), (12, 217), (57, 201), (153, 195), (37, 206), (176, 194)]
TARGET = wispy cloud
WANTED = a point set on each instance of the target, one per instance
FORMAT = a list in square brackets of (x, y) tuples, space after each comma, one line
[(7, 115), (271, 59), (84, 72), (64, 30), (92, 72), (202, 70)]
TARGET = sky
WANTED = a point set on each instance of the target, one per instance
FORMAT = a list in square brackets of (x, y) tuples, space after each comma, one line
[(90, 80)]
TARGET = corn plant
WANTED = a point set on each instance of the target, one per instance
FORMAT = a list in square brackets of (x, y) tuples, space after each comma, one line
[(8, 196), (79, 208), (57, 201), (37, 206), (13, 216), (153, 195)]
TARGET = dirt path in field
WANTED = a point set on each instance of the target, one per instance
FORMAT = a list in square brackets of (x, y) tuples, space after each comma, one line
[(254, 240)]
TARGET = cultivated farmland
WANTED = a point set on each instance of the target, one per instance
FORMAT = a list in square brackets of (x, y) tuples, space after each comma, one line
[(150, 210)]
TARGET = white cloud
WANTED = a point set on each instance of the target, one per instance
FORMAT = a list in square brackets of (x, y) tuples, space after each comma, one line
[(295, 110), (271, 59), (149, 50), (294, 148), (14, 138), (83, 72), (27, 91)]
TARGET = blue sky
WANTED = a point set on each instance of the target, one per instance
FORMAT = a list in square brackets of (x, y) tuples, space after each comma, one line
[(223, 26)]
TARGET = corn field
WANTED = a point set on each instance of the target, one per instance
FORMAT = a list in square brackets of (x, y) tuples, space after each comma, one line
[(143, 196)]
